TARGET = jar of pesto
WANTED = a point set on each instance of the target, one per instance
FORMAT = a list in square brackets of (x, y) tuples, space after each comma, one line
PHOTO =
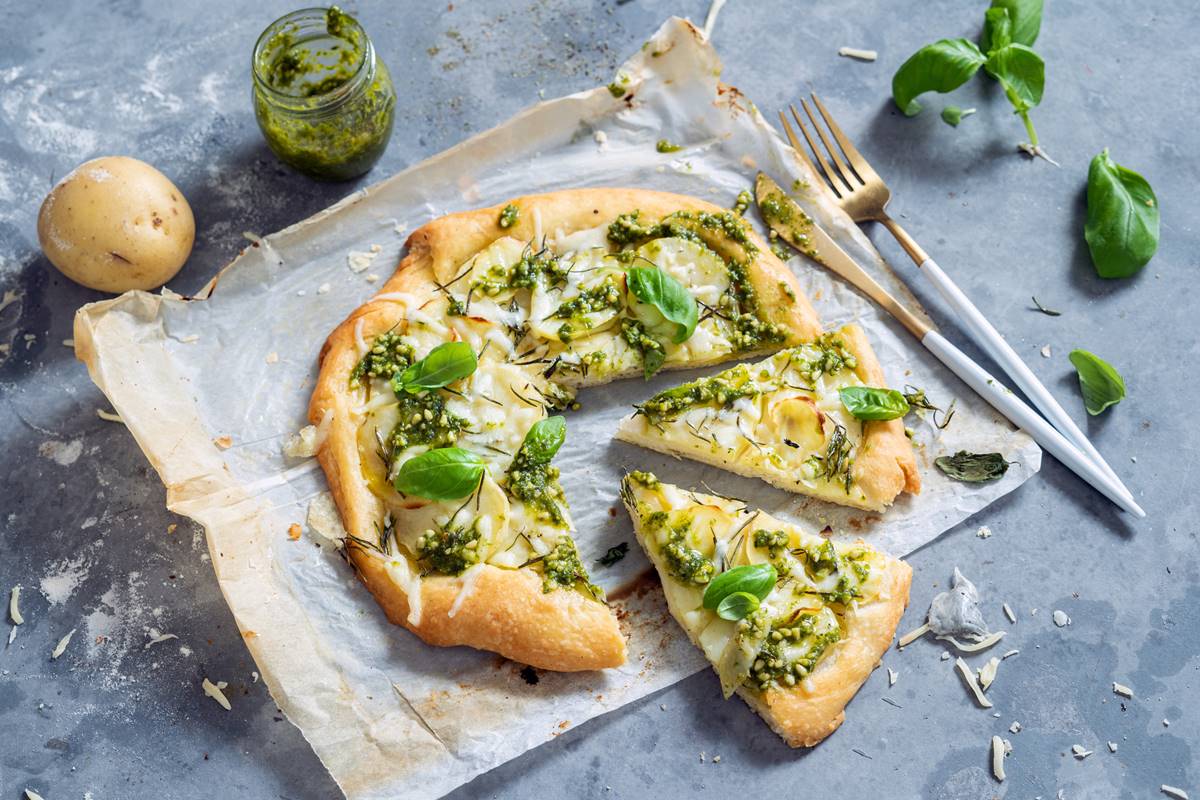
[(323, 99)]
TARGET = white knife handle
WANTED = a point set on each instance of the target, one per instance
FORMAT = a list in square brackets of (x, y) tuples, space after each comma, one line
[(1024, 417), (992, 343)]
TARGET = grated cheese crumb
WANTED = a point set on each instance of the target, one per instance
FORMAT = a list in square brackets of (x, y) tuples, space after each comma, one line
[(358, 261), (1009, 653), (272, 357), (1173, 791), (157, 637), (1008, 612), (213, 690), (663, 706), (969, 679), (945, 656), (716, 759), (1112, 747), (987, 673), (190, 338), (861, 55), (68, 342), (1122, 689), (913, 635), (1000, 749), (984, 532), (892, 676), (254, 676), (12, 634), (371, 277), (1061, 619), (61, 647), (1080, 751), (1015, 727), (14, 601), (1046, 353), (30, 794), (324, 288)]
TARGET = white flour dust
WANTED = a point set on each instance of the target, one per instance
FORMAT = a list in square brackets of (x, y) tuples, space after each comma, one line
[(62, 453)]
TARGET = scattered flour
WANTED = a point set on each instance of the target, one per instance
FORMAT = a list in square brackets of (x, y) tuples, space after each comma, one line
[(64, 578), (62, 453)]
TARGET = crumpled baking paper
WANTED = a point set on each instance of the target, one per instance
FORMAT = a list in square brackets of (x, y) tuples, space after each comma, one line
[(211, 388)]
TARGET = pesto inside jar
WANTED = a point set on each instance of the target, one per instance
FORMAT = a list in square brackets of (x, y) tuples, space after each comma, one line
[(323, 99)]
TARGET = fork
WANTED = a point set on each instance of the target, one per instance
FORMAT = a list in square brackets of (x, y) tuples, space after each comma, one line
[(858, 190)]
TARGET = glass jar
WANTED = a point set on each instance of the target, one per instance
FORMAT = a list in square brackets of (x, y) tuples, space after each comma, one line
[(323, 99)]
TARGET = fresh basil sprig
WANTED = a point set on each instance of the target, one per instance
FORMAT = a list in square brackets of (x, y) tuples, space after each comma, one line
[(1004, 51), (445, 364), (655, 287), (543, 440), (972, 467), (756, 580), (447, 473), (868, 403), (1101, 385), (738, 605), (1122, 218)]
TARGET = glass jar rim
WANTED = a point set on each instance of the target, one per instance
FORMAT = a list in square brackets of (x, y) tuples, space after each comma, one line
[(324, 102)]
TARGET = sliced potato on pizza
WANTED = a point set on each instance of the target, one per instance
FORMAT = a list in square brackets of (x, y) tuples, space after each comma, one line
[(792, 622), (784, 420), (437, 395)]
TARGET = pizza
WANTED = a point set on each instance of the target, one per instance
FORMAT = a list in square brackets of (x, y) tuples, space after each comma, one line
[(792, 622)]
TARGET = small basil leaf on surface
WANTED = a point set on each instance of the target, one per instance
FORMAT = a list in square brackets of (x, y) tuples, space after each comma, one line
[(447, 473), (939, 67), (543, 440), (652, 361), (1021, 72), (868, 403), (755, 579), (738, 605), (1101, 385), (1025, 23), (997, 29), (952, 115), (655, 287), (445, 364), (972, 467), (1122, 218), (614, 554)]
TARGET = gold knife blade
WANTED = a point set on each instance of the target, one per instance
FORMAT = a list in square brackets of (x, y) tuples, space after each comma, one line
[(791, 223)]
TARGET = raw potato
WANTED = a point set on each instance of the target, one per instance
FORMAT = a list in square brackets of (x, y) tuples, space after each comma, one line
[(116, 224)]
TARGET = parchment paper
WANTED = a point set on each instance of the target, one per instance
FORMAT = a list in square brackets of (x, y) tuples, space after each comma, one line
[(389, 716)]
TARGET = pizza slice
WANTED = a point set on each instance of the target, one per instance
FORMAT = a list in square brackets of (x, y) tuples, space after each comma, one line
[(792, 622), (435, 399), (784, 420)]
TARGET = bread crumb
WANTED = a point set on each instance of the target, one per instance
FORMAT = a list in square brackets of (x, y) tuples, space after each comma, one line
[(294, 531), (223, 442), (324, 288), (272, 358), (371, 277)]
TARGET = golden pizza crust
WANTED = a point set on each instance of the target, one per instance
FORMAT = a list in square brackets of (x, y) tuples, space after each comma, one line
[(808, 712), (506, 612)]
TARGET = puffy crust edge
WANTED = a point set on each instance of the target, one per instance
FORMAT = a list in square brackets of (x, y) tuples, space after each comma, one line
[(815, 708)]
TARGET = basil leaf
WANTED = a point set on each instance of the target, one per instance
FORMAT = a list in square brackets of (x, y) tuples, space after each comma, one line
[(755, 579), (614, 554), (1025, 23), (1021, 72), (543, 440), (997, 29), (655, 287), (445, 364), (972, 467), (939, 67), (738, 605), (865, 402), (447, 473), (1102, 386), (952, 115), (1122, 219)]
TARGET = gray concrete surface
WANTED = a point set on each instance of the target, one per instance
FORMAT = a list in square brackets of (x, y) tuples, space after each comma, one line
[(84, 530)]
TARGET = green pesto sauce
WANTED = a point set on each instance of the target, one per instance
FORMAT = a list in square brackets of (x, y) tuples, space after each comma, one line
[(664, 146), (389, 355), (509, 216), (781, 212), (743, 202), (772, 665), (652, 351), (342, 137), (562, 568), (645, 479), (449, 551), (719, 391), (424, 420), (533, 268), (534, 482), (620, 86), (823, 560), (832, 357), (605, 295), (774, 542), (684, 563)]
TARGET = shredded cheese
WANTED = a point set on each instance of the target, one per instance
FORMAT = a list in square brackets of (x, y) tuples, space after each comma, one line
[(308, 440), (710, 21), (30, 794), (467, 583), (1122, 689), (969, 678), (1008, 612), (1173, 791), (61, 647), (1009, 653), (213, 690), (861, 55), (1015, 727), (1061, 619), (1080, 751), (156, 638), (14, 601), (109, 416), (987, 673), (975, 647), (1000, 749), (892, 676), (1112, 747), (913, 635)]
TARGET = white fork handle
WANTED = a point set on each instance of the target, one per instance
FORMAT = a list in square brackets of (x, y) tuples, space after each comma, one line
[(992, 343), (1003, 400)]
